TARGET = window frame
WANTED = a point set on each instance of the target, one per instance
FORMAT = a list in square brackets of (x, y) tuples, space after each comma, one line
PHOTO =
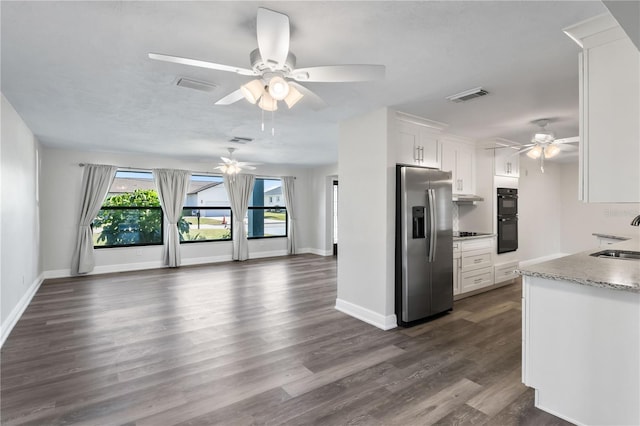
[(133, 208), (212, 208), (286, 222)]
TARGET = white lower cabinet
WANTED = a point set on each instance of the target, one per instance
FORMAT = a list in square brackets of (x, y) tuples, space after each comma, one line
[(456, 268), (473, 264), (505, 271), (476, 279)]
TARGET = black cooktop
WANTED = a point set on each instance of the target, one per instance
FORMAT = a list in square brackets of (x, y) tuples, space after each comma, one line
[(468, 234)]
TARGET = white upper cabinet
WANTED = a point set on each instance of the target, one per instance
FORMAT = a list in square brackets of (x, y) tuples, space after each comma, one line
[(609, 112), (506, 162), (459, 158), (416, 141)]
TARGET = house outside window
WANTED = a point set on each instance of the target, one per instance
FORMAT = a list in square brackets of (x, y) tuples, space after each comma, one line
[(266, 218), (207, 210)]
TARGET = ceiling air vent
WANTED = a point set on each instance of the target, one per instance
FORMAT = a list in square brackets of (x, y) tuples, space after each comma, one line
[(468, 95), (240, 140), (203, 86)]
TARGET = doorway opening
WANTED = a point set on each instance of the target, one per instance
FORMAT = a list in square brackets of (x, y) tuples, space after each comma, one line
[(335, 218)]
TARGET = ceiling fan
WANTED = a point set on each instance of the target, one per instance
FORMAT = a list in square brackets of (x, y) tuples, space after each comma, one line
[(543, 143), (230, 166), (274, 66)]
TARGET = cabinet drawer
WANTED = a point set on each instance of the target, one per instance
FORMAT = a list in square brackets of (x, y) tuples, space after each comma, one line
[(504, 271), (477, 244), (476, 259), (473, 280)]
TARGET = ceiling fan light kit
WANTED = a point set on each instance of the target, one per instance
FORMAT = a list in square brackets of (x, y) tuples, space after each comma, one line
[(230, 166), (535, 152), (278, 88), (292, 97), (267, 103), (253, 90), (274, 66), (551, 151)]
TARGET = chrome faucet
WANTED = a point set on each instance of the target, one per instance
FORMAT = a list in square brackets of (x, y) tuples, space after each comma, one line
[(636, 221)]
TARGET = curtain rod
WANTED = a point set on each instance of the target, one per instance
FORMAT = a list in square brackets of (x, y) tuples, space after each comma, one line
[(192, 171)]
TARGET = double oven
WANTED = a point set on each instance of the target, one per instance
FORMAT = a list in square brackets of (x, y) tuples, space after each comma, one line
[(507, 220)]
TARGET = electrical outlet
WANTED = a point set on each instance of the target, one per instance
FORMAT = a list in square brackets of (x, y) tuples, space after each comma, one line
[(138, 252)]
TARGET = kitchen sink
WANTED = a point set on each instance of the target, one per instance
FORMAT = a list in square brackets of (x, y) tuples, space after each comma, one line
[(618, 254)]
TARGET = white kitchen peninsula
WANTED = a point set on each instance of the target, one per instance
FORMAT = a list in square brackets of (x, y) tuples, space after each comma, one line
[(581, 337)]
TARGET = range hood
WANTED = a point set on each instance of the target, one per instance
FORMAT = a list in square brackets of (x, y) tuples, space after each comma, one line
[(466, 198)]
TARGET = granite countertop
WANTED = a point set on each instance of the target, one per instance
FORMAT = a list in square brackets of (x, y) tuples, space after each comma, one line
[(583, 269), (612, 237), (473, 237)]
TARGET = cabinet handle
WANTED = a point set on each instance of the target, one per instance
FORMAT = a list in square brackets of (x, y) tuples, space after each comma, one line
[(422, 153), (477, 280), (477, 260)]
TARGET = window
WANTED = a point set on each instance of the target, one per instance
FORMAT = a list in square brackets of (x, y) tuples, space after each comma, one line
[(131, 213), (266, 219), (207, 213)]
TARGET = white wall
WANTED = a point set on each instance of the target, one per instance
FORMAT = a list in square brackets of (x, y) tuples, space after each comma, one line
[(61, 199), (480, 217), (366, 220), (20, 214), (539, 209), (580, 220)]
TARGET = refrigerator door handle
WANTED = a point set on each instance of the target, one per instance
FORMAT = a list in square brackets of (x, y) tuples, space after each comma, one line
[(432, 224)]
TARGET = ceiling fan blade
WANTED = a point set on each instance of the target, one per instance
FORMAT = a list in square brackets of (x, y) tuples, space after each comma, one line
[(522, 151), (231, 98), (273, 37), (340, 73), (201, 64), (310, 98), (573, 139), (246, 167), (226, 160)]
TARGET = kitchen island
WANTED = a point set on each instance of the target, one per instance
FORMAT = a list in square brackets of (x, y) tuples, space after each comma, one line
[(581, 336)]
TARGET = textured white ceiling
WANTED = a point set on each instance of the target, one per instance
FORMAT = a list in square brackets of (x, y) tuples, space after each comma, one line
[(78, 72)]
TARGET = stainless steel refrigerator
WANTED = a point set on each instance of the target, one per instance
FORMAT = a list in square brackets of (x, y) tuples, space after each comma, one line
[(424, 243)]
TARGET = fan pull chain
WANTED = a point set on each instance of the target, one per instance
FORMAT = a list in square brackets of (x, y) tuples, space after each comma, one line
[(273, 128), (262, 128)]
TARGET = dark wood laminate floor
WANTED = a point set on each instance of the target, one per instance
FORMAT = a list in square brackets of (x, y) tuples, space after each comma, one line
[(257, 342)]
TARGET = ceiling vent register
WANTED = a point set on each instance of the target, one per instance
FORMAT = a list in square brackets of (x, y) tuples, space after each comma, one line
[(240, 140), (467, 95), (203, 86)]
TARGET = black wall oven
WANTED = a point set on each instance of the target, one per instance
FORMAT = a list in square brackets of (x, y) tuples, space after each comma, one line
[(507, 220)]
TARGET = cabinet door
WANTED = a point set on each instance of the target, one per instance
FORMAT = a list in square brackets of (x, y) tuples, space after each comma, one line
[(448, 163), (430, 145), (507, 162), (476, 279), (464, 169), (406, 142), (456, 276), (610, 131)]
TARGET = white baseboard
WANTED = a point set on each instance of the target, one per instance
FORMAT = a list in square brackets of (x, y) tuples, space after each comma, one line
[(126, 267), (541, 259), (205, 260), (19, 309), (363, 314), (316, 251), (272, 253)]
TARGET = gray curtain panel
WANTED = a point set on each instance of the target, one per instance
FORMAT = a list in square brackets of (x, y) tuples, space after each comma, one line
[(239, 188), (172, 190), (96, 182), (289, 202)]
